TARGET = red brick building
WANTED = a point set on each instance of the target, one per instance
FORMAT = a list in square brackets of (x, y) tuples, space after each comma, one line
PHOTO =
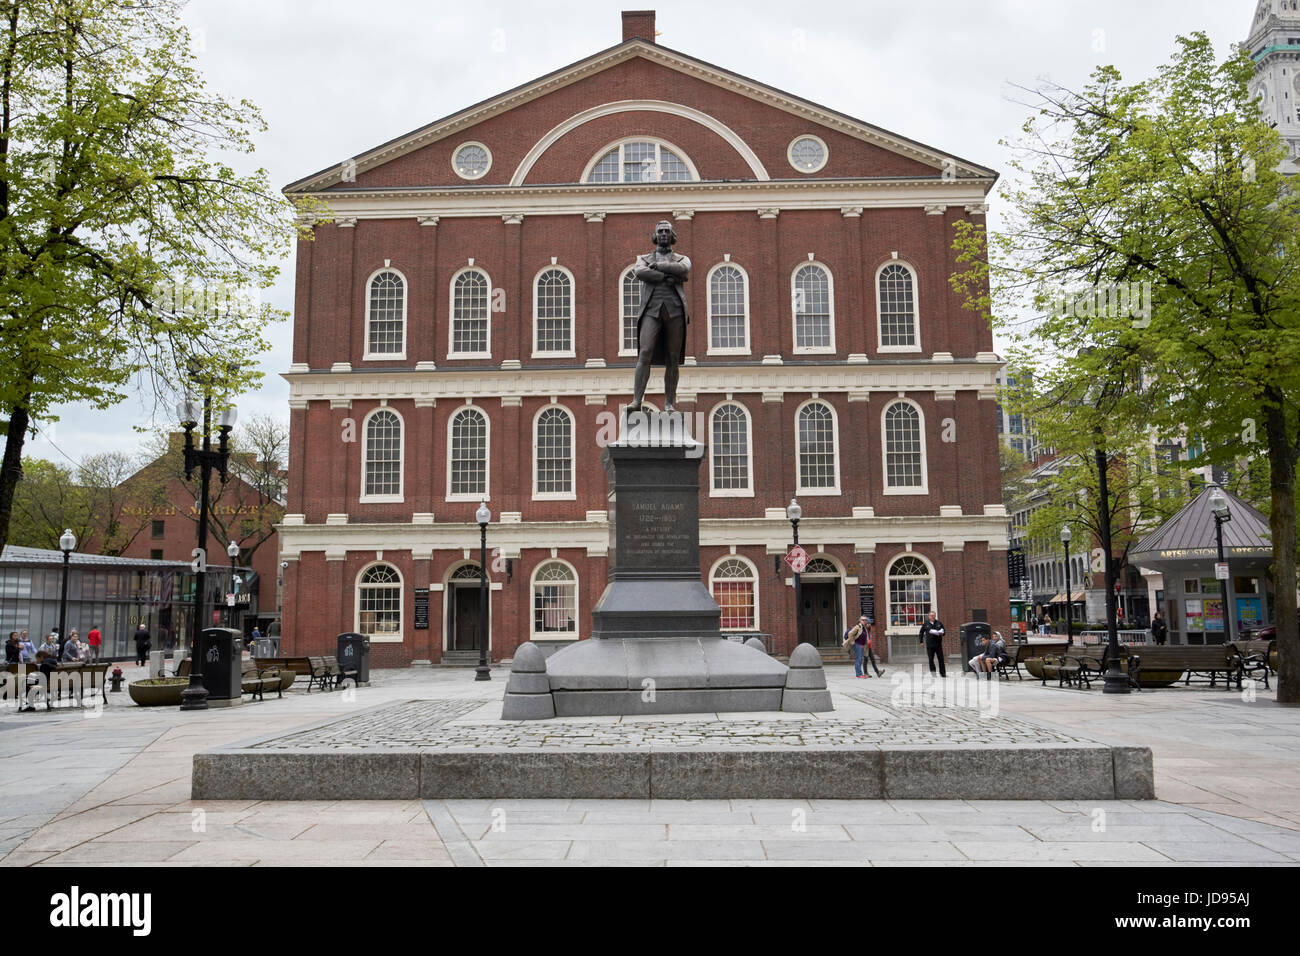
[(161, 510), (463, 331)]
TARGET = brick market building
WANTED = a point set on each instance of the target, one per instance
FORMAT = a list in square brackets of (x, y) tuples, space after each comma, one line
[(463, 330)]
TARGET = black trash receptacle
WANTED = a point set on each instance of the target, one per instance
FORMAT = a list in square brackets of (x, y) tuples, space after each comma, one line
[(221, 651), (972, 641), (354, 654)]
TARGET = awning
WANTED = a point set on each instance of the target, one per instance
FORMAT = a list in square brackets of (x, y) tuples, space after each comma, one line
[(1075, 598)]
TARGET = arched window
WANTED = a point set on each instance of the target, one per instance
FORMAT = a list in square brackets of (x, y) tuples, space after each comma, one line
[(379, 603), (904, 449), (555, 600), (629, 288), (382, 456), (910, 586), (468, 475), (820, 566), (553, 313), (819, 470), (896, 302), (641, 161), (729, 451), (728, 311), (734, 585), (386, 316), (470, 293), (553, 458), (814, 321)]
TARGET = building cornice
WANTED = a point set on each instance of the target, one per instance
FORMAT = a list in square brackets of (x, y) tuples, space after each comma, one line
[(579, 199), (862, 534), (453, 383)]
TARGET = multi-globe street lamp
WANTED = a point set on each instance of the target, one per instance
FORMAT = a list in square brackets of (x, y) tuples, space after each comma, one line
[(483, 671), (195, 697)]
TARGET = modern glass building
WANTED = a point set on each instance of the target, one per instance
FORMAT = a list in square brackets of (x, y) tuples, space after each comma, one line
[(115, 593)]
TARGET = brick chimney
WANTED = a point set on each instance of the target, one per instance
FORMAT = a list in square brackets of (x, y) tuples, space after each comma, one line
[(639, 25)]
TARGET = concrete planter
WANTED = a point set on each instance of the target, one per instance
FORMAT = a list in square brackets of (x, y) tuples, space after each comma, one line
[(158, 693)]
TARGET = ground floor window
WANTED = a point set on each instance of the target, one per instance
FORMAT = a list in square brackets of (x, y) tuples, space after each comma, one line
[(555, 600), (379, 602), (733, 583), (910, 587)]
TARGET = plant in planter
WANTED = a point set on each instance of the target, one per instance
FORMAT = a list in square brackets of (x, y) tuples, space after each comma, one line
[(158, 691)]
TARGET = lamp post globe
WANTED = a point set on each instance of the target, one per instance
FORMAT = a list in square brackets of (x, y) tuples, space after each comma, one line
[(67, 544), (483, 671)]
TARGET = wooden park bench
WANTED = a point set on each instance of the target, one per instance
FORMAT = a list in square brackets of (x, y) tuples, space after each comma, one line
[(291, 668), (257, 680), (1093, 661), (77, 676), (1195, 663), (1254, 659), (327, 672)]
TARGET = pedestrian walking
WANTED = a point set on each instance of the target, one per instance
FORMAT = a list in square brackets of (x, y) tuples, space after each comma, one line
[(13, 649), (28, 649), (94, 640), (142, 644), (72, 648), (50, 647), (858, 637), (932, 632), (1159, 630), (1045, 626)]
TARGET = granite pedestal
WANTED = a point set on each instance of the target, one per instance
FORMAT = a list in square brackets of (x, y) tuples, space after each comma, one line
[(656, 647)]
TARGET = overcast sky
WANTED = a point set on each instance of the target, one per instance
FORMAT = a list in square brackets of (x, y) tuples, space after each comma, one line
[(336, 77)]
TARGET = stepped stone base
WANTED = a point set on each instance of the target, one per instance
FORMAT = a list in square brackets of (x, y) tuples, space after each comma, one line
[(674, 675)]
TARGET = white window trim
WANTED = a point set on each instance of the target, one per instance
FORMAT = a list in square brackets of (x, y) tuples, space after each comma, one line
[(401, 458), (708, 295), (748, 490), (487, 455), (572, 494), (619, 143), (401, 605), (835, 432), (573, 311), (830, 302), (453, 355), (758, 604), (399, 356), (789, 154), (916, 309), (619, 298), (456, 151), (550, 636), (889, 489), (909, 629)]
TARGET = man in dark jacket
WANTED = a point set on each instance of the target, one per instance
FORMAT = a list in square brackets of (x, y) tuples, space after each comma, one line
[(142, 645), (932, 632)]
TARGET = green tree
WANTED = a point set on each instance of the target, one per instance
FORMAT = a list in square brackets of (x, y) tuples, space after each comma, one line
[(132, 252), (1151, 224), (47, 501)]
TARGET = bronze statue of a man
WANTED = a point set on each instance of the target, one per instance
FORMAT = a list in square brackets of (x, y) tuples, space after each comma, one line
[(661, 324)]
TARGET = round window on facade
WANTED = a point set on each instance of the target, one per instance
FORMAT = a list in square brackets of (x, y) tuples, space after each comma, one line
[(471, 161), (808, 154)]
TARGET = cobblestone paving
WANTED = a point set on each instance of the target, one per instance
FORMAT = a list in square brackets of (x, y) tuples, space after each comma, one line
[(427, 724)]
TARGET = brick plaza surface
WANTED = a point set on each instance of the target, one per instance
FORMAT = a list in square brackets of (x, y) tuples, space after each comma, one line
[(114, 789)]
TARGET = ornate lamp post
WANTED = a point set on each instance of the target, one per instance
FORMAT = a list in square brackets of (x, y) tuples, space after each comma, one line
[(794, 513), (232, 551), (1069, 626), (1219, 505), (483, 671), (195, 697), (67, 544)]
